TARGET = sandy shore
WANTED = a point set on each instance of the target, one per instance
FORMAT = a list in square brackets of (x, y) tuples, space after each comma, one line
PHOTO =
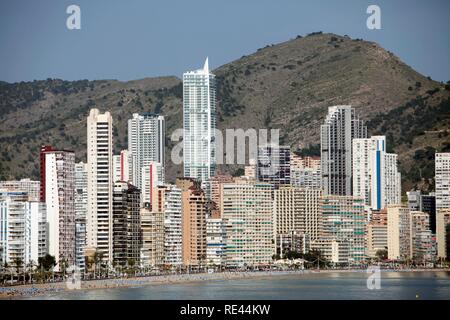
[(31, 290)]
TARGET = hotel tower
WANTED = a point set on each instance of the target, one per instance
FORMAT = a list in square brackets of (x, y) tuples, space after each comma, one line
[(199, 123)]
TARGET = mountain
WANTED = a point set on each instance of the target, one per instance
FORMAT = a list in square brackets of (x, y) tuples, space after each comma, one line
[(287, 86)]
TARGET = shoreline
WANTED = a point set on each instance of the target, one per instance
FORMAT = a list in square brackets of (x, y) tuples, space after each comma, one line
[(44, 289)]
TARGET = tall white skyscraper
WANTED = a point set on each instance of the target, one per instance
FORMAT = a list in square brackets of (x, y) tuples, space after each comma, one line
[(375, 173), (59, 187), (341, 126), (99, 220), (442, 178), (146, 143), (199, 122)]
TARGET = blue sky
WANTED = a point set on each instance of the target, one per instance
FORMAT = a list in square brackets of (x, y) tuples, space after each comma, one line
[(134, 39)]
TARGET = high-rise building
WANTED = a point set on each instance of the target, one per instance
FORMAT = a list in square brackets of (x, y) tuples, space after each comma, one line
[(152, 175), (443, 233), (375, 174), (377, 232), (345, 219), (247, 209), (341, 126), (421, 242), (414, 200), (122, 166), (274, 164), (99, 219), (297, 209), (167, 199), (425, 203), (31, 187), (194, 211), (442, 179), (311, 222), (297, 217), (305, 172), (287, 211), (58, 186), (211, 187), (126, 224), (199, 123), (146, 144), (399, 232), (80, 213), (152, 226), (216, 238), (38, 230), (23, 228), (428, 205)]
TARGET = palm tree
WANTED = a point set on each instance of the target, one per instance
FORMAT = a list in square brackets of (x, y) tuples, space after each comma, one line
[(63, 264), (382, 255), (18, 262), (31, 266), (98, 257), (46, 263)]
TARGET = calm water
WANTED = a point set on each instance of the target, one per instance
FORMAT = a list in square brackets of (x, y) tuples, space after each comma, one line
[(394, 285)]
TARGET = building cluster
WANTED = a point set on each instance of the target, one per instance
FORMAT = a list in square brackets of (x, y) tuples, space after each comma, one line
[(120, 210)]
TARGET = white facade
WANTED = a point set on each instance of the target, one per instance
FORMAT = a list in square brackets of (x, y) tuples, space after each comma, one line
[(215, 241), (23, 231), (146, 143), (152, 175), (172, 226), (442, 178), (199, 123), (116, 168), (37, 214), (122, 167), (99, 220), (60, 201), (375, 173)]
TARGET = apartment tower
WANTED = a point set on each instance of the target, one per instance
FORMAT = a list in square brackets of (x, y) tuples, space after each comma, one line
[(99, 219), (341, 126)]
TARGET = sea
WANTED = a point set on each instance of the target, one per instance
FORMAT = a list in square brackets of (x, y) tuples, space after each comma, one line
[(307, 286)]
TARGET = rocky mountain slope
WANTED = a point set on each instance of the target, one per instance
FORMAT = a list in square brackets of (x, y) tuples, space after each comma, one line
[(287, 86)]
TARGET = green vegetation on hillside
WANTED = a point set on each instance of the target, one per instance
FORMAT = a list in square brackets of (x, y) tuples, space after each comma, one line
[(287, 86)]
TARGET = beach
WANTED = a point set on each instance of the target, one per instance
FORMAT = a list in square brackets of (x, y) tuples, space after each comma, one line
[(30, 290), (42, 289)]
